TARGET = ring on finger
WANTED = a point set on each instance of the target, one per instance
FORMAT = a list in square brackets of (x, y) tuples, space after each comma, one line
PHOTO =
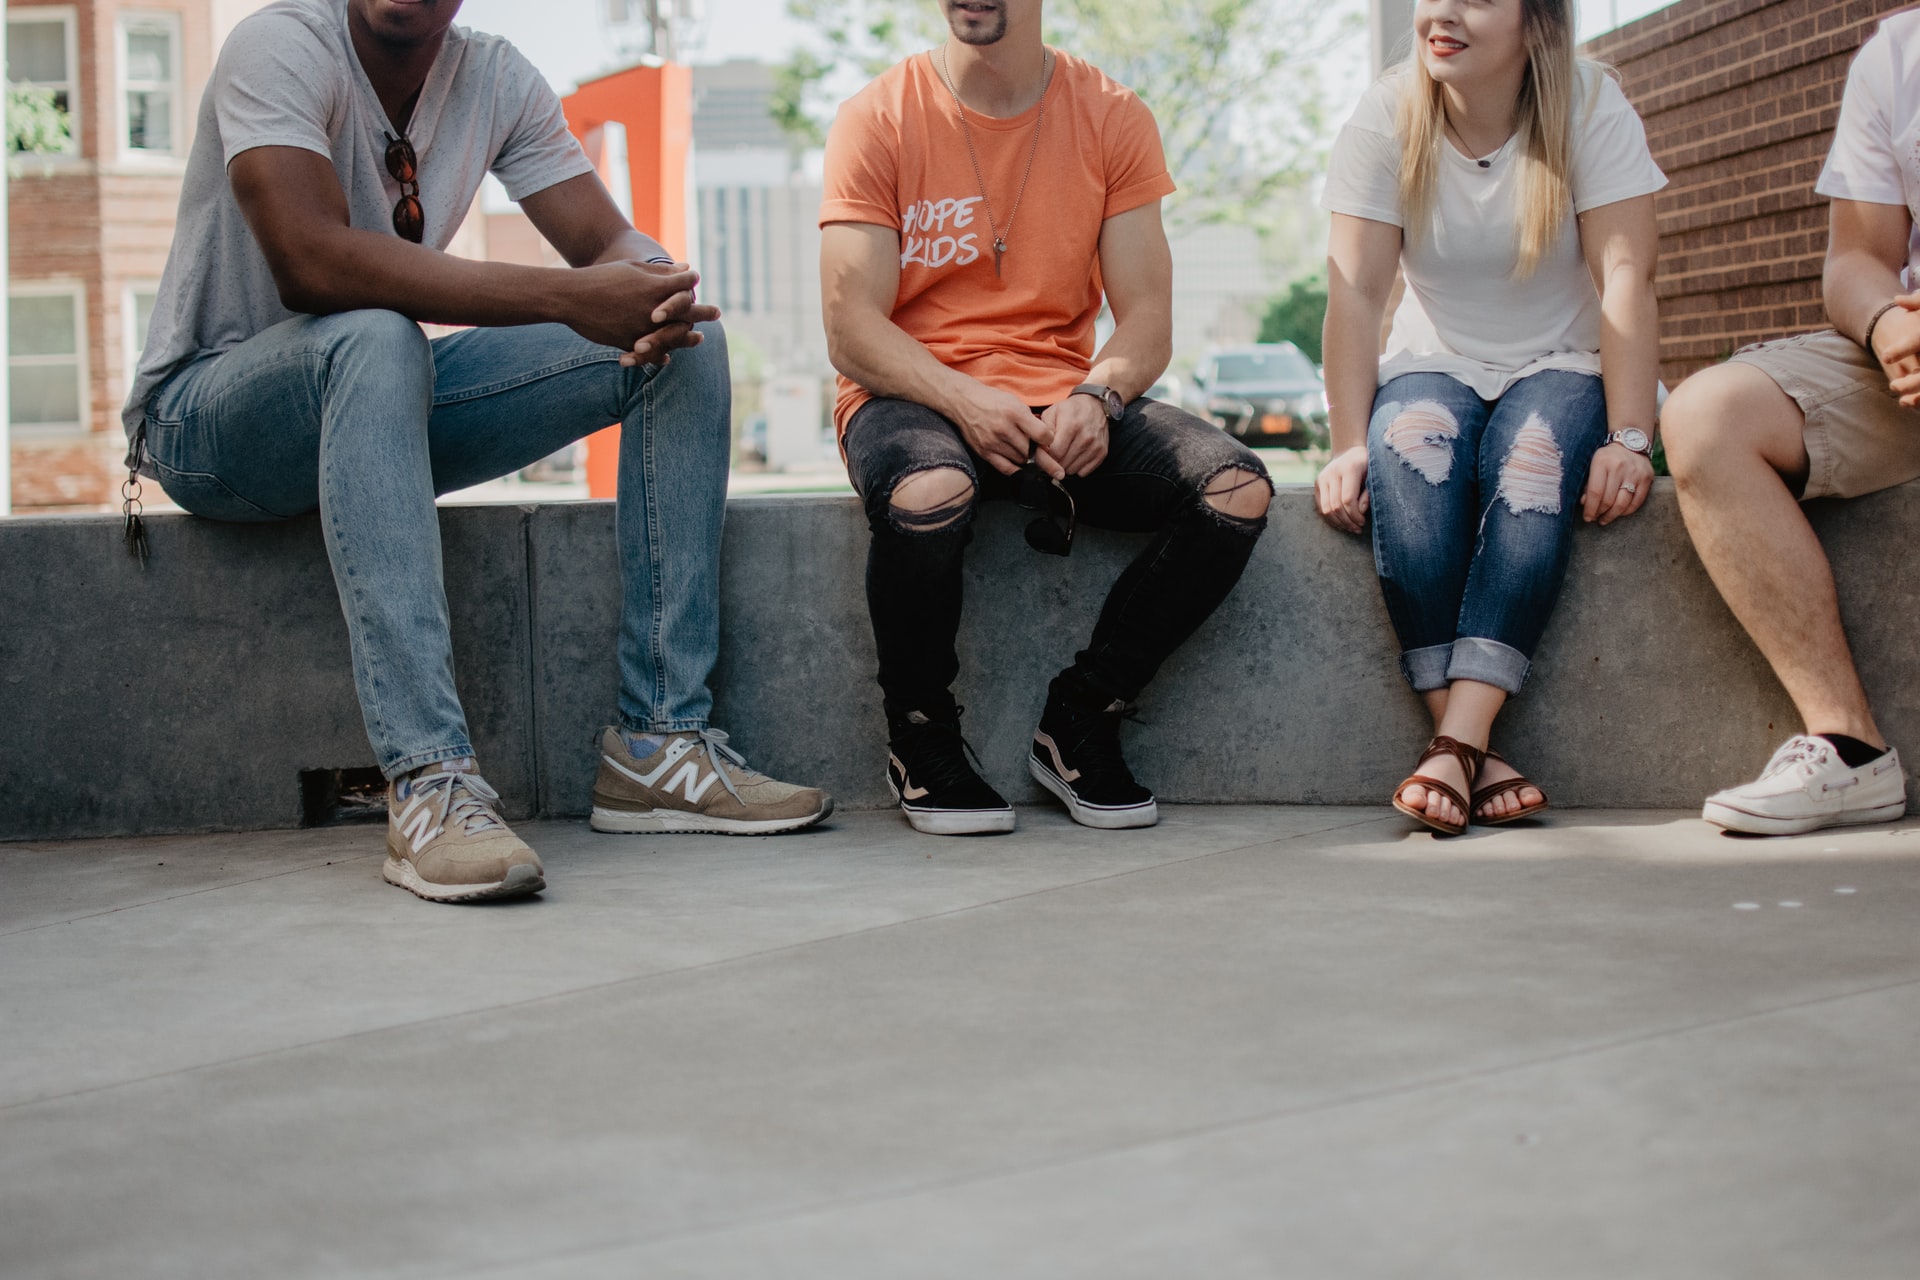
[(1629, 488)]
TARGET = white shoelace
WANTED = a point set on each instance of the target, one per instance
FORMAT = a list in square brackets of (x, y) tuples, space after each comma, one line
[(462, 798), (717, 749), (1804, 751)]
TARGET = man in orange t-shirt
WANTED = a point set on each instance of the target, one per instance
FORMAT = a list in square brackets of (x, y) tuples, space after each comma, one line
[(980, 199)]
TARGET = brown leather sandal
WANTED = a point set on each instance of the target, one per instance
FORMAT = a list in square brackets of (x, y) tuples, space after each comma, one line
[(1469, 758), (1492, 789)]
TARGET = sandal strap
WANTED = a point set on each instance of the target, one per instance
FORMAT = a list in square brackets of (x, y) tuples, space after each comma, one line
[(1493, 789), (1469, 757), (1434, 784)]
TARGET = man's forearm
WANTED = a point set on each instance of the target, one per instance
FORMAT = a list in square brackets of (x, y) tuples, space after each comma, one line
[(633, 246), (1133, 358), (353, 270), (1855, 286), (879, 355)]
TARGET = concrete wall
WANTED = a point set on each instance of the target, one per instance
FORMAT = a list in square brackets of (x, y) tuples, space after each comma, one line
[(190, 696)]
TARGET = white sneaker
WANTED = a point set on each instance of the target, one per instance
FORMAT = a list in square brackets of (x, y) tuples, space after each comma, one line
[(1807, 786)]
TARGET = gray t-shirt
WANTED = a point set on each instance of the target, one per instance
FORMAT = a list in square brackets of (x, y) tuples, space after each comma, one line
[(288, 77)]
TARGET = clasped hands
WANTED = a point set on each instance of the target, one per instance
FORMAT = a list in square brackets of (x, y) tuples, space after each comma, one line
[(1065, 439), (646, 309), (1896, 344)]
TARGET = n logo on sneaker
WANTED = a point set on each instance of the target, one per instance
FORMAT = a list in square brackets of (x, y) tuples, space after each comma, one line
[(417, 825), (688, 779)]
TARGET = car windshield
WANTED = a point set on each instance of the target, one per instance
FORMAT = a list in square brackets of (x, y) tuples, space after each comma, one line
[(1282, 364)]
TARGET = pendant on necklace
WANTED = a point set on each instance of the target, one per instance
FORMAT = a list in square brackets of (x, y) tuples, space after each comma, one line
[(999, 248), (1484, 164)]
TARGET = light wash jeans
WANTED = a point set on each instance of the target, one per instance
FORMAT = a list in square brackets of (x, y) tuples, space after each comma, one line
[(1473, 508), (360, 415)]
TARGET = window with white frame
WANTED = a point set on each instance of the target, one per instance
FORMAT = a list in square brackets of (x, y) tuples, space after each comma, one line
[(138, 313), (150, 89), (46, 355), (42, 54)]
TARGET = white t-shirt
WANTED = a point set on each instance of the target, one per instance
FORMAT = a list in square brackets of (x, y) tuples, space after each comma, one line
[(288, 77), (1876, 148), (1464, 313)]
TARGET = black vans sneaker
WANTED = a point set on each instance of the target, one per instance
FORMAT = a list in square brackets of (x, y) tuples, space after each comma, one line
[(1076, 755), (938, 789)]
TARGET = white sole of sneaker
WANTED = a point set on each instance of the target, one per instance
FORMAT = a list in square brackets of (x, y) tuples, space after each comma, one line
[(1754, 824), (1105, 817), (520, 881), (954, 822), (678, 822)]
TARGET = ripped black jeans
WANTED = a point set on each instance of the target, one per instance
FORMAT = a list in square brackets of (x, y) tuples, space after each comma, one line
[(1158, 465)]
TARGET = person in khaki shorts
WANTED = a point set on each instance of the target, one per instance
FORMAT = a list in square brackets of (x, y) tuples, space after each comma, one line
[(1824, 415)]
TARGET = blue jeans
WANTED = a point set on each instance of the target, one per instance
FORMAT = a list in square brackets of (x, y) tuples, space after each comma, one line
[(360, 415), (1473, 506)]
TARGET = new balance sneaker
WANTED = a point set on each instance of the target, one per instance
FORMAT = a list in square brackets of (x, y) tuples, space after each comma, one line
[(693, 782), (1076, 755), (1807, 786), (937, 787), (446, 843)]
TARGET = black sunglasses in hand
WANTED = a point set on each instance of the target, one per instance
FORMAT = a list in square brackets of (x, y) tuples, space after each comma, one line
[(1052, 533)]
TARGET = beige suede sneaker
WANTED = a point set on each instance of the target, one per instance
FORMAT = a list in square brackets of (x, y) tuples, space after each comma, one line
[(694, 782), (446, 843)]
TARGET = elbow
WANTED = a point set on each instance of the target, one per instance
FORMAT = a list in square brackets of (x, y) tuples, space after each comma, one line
[(304, 289)]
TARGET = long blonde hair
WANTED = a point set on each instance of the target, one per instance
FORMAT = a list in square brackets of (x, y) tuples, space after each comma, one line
[(1543, 125)]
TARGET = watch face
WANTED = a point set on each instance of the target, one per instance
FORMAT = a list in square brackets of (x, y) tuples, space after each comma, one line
[(1634, 438), (1116, 407)]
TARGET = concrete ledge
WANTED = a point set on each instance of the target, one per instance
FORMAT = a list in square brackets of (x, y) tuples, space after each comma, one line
[(190, 696)]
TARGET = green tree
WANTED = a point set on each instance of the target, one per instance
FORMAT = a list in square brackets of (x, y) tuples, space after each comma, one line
[(1297, 316), (1234, 84), (34, 121)]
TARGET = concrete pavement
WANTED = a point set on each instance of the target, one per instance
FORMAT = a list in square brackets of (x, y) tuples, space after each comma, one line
[(1250, 1042)]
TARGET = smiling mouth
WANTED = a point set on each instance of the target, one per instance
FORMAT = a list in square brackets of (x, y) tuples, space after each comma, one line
[(1445, 44)]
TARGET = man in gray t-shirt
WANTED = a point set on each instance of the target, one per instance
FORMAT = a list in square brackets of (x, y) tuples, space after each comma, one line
[(339, 146)]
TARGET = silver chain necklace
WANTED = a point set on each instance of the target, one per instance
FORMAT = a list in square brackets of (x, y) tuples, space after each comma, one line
[(966, 131)]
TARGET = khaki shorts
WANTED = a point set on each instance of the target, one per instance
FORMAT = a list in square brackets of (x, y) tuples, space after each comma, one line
[(1859, 439)]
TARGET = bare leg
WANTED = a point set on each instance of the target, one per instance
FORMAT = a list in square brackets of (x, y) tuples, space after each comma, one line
[(1493, 771), (1736, 447), (1465, 711)]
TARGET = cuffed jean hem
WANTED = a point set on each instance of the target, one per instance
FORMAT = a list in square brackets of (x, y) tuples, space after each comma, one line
[(662, 726), (421, 759), (1469, 658), (1426, 669)]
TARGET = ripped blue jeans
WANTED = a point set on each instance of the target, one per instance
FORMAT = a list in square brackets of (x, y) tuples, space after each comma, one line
[(1473, 509)]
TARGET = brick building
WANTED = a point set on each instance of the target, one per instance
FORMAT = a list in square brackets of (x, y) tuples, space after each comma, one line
[(1740, 98), (89, 226)]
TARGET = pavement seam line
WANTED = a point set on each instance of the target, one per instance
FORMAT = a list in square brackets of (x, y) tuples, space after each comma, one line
[(653, 976), (191, 893), (1280, 1115)]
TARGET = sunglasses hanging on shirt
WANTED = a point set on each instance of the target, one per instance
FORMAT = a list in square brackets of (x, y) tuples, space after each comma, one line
[(409, 219)]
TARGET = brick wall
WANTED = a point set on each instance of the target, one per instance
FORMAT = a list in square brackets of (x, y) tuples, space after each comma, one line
[(1740, 99)]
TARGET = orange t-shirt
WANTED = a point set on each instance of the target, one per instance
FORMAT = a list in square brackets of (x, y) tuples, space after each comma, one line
[(897, 157)]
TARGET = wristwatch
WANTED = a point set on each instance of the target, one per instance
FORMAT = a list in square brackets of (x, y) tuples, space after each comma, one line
[(1632, 438), (1107, 396)]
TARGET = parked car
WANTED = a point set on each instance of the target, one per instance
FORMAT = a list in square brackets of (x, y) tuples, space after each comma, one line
[(1267, 395)]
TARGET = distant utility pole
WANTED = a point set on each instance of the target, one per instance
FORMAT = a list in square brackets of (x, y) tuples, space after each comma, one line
[(657, 21)]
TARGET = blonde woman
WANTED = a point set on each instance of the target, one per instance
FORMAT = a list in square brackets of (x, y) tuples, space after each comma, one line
[(1512, 185)]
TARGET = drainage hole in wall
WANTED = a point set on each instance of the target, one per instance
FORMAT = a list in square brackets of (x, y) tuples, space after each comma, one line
[(342, 795)]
